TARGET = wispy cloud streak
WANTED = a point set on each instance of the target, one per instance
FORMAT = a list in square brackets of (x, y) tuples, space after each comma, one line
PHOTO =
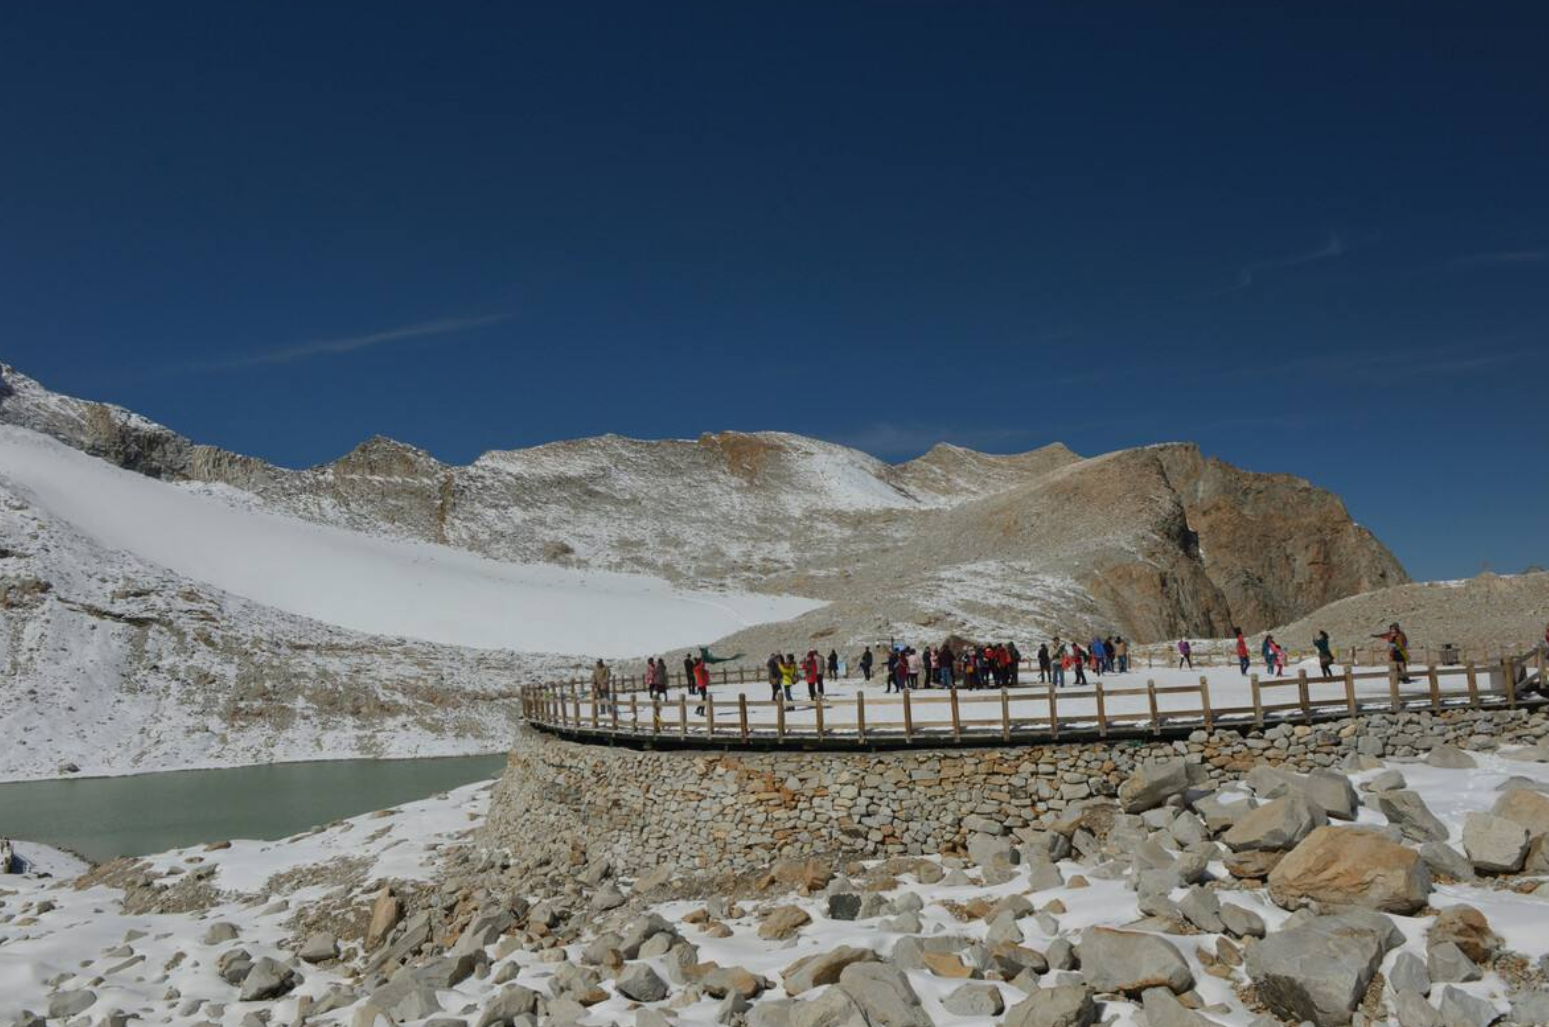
[(1248, 275), (1500, 257), (356, 343)]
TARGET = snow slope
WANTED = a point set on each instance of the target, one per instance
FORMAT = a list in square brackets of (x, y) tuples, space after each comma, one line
[(381, 586)]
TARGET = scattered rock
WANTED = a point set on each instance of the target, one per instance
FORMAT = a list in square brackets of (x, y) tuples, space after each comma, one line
[(1494, 844), (220, 934), (1319, 969), (386, 911), (1065, 1005), (1351, 866), (1276, 825), (268, 979), (1460, 1008), (814, 971), (884, 995), (1152, 784), (1466, 928), (319, 948), (975, 999), (1445, 961), (640, 983), (1406, 811), (1409, 974), (1130, 962), (1450, 757), (1530, 809), (65, 1004)]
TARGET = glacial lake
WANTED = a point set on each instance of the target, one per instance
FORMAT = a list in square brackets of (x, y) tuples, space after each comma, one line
[(103, 817)]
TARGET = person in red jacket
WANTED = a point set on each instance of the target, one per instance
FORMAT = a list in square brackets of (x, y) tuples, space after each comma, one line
[(809, 668), (701, 682), (1242, 652)]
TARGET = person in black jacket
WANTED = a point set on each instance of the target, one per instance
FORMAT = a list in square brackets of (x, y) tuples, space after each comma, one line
[(1044, 664), (866, 661), (688, 672), (833, 664)]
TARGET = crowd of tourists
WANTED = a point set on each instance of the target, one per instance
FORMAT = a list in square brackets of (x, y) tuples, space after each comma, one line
[(969, 666)]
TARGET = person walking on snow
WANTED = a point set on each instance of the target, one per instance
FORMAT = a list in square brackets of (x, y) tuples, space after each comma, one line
[(916, 667), (809, 667), (1057, 662), (788, 675), (865, 662), (1121, 653), (773, 668), (1325, 654), (1078, 661), (1043, 664), (1185, 654), (833, 664), (945, 668), (1242, 652), (688, 673)]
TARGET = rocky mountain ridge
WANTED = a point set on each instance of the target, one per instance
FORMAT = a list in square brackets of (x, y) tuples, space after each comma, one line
[(1153, 542)]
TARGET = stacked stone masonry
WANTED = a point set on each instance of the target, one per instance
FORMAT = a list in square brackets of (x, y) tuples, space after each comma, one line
[(707, 811)]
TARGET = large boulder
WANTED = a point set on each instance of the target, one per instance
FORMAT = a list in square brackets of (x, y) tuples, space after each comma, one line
[(824, 968), (1276, 825), (884, 995), (1494, 844), (1352, 866), (1130, 962), (832, 1007), (783, 922), (1066, 1005), (1528, 808), (1406, 811), (975, 999), (1466, 928), (405, 997), (640, 983), (1319, 970), (269, 978), (513, 1001), (1328, 789), (1152, 784)]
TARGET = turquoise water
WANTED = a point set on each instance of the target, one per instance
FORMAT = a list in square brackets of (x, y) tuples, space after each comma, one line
[(103, 817)]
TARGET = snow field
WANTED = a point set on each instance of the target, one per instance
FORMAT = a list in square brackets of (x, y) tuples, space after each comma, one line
[(375, 585)]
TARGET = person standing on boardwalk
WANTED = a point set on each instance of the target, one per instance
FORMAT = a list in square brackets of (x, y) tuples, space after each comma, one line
[(1044, 677), (1325, 654), (1014, 664), (916, 666), (809, 669), (702, 682), (833, 664), (1185, 654), (688, 672), (1267, 650), (865, 662), (1057, 658), (1078, 661), (1242, 652), (1398, 649), (772, 666), (1121, 653), (788, 675), (602, 680), (945, 668)]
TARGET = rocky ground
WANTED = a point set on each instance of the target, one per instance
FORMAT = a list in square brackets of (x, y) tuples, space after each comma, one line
[(1409, 892)]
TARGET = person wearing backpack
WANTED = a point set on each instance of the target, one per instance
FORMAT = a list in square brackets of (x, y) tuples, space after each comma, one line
[(1185, 654)]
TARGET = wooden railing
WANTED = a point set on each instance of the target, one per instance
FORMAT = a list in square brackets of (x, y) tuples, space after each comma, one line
[(1149, 656), (1025, 714)]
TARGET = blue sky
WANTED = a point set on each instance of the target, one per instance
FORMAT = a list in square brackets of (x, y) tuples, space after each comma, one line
[(1313, 240)]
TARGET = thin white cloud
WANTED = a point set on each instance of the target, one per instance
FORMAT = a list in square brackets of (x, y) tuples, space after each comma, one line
[(357, 343), (1499, 257), (1248, 274), (338, 346)]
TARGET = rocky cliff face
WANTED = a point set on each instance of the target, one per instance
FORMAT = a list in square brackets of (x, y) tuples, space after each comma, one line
[(1155, 542)]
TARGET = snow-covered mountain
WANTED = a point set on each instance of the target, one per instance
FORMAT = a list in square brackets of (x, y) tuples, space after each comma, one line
[(193, 579)]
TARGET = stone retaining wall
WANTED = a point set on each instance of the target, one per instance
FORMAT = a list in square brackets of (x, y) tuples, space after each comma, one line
[(705, 811)]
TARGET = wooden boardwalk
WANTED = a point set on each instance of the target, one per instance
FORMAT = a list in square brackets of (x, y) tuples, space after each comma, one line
[(1031, 714)]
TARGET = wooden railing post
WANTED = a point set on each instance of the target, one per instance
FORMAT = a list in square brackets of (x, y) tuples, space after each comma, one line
[(957, 731), (1054, 713), (908, 718), (1102, 711), (1258, 700), (1204, 702), (613, 713), (1393, 700), (709, 713), (1350, 689), (1005, 716), (819, 708), (1472, 677), (1156, 720), (1435, 683), (780, 719), (860, 716), (683, 714), (1301, 694), (1509, 669), (656, 716), (742, 715)]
